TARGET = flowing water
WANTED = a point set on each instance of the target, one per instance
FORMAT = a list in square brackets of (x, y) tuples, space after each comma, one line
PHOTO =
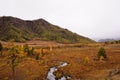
[(51, 76)]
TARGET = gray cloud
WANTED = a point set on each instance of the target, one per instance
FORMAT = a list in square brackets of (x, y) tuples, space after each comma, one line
[(91, 18)]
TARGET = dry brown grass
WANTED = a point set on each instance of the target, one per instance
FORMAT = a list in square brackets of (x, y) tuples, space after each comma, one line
[(30, 69)]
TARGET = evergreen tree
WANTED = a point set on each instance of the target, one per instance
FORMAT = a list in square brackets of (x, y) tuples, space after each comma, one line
[(102, 53), (37, 57)]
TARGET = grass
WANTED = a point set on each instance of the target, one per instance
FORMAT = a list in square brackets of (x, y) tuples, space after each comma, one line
[(31, 69)]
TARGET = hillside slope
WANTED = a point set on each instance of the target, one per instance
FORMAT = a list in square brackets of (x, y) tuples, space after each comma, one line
[(23, 30)]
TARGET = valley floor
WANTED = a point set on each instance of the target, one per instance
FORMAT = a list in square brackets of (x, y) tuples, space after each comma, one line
[(31, 69)]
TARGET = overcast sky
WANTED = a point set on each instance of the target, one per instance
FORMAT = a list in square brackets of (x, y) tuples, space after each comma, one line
[(90, 18)]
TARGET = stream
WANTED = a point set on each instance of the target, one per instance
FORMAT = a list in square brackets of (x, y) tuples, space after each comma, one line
[(51, 76)]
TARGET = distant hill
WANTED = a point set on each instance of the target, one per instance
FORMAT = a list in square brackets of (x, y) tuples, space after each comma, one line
[(24, 30), (106, 40)]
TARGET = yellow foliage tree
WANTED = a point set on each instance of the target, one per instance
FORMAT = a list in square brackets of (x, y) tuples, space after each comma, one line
[(86, 60), (51, 49)]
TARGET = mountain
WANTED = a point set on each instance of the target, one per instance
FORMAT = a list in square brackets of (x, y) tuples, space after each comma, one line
[(106, 40), (23, 30)]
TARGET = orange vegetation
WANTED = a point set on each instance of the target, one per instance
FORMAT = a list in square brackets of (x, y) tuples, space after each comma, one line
[(77, 69)]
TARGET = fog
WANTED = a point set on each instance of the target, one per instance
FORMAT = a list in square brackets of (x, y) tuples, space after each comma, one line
[(96, 19)]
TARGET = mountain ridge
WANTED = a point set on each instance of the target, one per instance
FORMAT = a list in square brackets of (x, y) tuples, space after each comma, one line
[(23, 30)]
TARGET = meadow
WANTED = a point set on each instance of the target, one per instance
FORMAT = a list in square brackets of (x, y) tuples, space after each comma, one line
[(83, 63)]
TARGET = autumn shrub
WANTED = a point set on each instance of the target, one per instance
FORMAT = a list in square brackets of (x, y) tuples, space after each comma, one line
[(86, 60), (13, 58), (1, 48), (51, 49), (28, 50), (41, 52)]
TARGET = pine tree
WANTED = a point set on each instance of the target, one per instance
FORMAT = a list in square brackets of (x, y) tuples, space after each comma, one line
[(37, 57), (102, 53)]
